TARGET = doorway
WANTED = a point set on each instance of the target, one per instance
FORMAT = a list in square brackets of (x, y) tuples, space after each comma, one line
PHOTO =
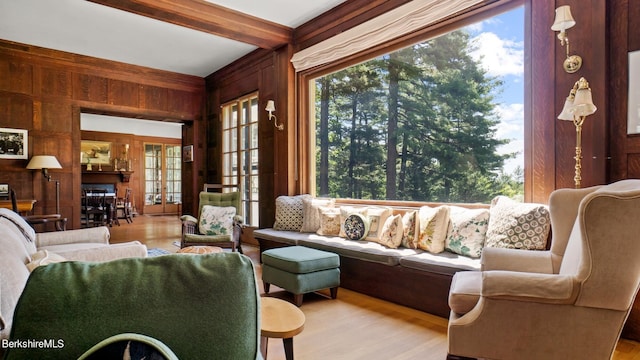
[(162, 178)]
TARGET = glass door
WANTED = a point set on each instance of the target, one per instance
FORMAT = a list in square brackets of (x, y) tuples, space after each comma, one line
[(163, 178)]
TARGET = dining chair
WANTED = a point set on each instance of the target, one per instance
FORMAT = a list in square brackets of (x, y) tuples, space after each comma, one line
[(94, 207), (123, 206)]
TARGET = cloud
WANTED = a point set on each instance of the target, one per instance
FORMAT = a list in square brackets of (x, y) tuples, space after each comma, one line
[(499, 57), (511, 127)]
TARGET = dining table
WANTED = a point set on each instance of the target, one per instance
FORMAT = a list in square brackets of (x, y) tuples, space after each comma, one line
[(110, 204)]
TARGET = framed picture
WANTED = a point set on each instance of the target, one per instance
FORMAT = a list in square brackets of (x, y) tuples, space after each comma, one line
[(14, 144), (4, 191), (95, 152), (187, 153)]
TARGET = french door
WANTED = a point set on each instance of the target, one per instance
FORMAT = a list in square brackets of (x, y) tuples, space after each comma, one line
[(162, 178)]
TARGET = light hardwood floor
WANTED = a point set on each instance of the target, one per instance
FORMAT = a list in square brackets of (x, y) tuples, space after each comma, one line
[(353, 326)]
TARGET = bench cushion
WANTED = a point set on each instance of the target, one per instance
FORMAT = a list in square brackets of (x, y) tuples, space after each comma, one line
[(443, 263)]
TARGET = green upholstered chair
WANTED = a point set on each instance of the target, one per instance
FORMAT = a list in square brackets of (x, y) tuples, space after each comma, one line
[(198, 306), (191, 234)]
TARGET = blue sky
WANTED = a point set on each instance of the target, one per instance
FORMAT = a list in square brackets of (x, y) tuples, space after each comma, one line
[(500, 48)]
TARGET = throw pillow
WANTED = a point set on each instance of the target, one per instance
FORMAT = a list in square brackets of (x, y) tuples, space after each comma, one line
[(467, 231), (216, 220), (517, 225), (356, 226), (329, 221), (289, 212), (346, 211), (391, 234), (377, 217), (43, 257), (311, 213), (410, 230), (433, 228)]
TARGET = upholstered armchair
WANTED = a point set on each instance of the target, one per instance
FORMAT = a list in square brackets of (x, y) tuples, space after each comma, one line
[(569, 302), (216, 224)]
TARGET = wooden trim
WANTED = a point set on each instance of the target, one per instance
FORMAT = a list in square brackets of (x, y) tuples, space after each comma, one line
[(210, 18)]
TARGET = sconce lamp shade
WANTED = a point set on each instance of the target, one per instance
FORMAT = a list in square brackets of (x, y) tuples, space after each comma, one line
[(583, 103), (43, 162), (567, 110), (270, 106), (563, 20)]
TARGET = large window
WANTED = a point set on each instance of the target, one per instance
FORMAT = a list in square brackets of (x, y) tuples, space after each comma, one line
[(240, 153), (441, 120)]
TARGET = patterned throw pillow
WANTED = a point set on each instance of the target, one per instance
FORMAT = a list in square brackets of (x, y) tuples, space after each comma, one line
[(467, 231), (391, 234), (217, 220), (329, 221), (289, 212), (311, 213), (517, 225), (410, 230), (346, 211), (356, 226), (433, 228), (377, 217)]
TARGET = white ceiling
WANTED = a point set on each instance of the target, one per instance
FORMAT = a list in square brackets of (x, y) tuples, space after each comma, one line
[(86, 28)]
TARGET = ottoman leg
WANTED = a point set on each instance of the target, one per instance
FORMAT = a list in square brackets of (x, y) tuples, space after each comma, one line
[(334, 292), (266, 287), (297, 299)]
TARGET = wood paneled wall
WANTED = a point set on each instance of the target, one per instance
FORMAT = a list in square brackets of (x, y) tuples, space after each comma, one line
[(44, 91)]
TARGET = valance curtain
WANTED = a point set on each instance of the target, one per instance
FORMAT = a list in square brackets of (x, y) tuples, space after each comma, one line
[(400, 21)]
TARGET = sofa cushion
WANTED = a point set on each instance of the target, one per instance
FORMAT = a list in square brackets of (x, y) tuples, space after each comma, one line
[(284, 237), (442, 263), (517, 225), (311, 213), (434, 223), (329, 221), (216, 220), (289, 212), (467, 231), (391, 235), (356, 226), (410, 229), (377, 216), (345, 211), (464, 292), (44, 257)]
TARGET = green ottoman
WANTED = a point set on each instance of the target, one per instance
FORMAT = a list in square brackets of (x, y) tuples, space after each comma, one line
[(301, 270)]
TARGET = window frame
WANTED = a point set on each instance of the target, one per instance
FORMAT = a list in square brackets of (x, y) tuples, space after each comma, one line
[(239, 180), (305, 93)]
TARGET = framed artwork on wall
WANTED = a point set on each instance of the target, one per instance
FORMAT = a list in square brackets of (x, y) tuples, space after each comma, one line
[(14, 143), (187, 153), (95, 152)]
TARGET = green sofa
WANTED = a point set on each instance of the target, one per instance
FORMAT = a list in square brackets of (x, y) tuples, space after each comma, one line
[(199, 306)]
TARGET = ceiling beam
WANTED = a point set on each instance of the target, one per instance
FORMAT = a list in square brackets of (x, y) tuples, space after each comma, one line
[(210, 18)]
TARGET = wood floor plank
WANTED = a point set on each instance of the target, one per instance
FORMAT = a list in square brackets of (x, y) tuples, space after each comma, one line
[(351, 327)]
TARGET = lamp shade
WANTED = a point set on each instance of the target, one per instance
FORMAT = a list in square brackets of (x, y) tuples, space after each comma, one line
[(563, 20), (567, 110), (270, 106), (43, 162), (583, 103)]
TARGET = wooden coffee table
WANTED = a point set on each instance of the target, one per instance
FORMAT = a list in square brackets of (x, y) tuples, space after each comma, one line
[(279, 319)]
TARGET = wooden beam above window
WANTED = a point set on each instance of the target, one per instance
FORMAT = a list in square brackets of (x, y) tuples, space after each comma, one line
[(210, 18)]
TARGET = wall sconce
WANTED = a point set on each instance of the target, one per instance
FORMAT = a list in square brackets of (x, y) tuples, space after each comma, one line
[(271, 107), (46, 162), (577, 106), (564, 21)]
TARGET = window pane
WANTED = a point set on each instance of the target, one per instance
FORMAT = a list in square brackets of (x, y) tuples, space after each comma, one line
[(427, 122)]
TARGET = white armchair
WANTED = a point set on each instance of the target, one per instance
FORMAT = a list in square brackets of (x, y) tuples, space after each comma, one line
[(570, 302)]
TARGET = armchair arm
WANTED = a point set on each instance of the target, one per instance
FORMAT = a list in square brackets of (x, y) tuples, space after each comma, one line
[(189, 225), (132, 249), (517, 260), (519, 286), (98, 235)]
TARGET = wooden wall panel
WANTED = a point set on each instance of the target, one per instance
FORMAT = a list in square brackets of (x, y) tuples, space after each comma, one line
[(44, 91), (123, 93), (56, 82)]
